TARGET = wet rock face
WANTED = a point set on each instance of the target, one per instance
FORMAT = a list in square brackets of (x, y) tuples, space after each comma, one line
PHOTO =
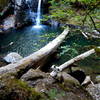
[(44, 5), (8, 10), (22, 18), (23, 12), (9, 22), (22, 15)]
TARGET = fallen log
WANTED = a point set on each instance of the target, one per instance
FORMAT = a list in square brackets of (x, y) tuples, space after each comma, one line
[(34, 60), (70, 62), (94, 34)]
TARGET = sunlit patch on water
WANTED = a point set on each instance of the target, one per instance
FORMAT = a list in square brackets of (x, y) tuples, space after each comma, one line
[(37, 26)]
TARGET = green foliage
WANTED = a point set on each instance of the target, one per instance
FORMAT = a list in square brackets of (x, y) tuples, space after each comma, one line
[(97, 51), (74, 11), (68, 51), (53, 94), (17, 90), (48, 35)]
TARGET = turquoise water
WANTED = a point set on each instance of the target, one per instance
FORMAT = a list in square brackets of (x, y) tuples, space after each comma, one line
[(27, 40), (77, 44), (30, 39)]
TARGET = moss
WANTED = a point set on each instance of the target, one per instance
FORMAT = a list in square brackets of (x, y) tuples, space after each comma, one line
[(14, 89), (77, 92), (64, 88), (68, 85), (97, 51)]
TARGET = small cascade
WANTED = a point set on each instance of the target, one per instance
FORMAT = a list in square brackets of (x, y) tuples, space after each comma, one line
[(28, 7), (38, 15)]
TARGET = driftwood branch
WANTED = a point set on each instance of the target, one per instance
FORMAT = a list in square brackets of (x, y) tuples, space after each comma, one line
[(70, 62), (84, 34), (36, 59), (94, 34)]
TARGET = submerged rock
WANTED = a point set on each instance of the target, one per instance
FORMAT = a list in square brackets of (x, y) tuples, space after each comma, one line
[(12, 57)]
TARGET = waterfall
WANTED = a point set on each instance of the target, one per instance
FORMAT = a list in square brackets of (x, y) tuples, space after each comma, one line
[(38, 17), (38, 14)]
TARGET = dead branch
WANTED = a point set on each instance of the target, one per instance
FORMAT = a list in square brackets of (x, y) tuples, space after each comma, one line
[(70, 62), (36, 59)]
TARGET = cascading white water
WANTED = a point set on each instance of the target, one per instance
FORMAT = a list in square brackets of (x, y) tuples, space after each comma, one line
[(38, 15), (37, 25)]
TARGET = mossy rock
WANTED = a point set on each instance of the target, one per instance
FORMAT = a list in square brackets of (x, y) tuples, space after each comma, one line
[(72, 88), (68, 79), (14, 89), (97, 51)]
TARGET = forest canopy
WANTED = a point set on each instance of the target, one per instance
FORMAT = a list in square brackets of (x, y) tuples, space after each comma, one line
[(80, 12)]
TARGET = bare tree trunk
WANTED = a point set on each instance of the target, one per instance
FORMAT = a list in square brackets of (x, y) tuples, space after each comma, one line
[(35, 59), (70, 62)]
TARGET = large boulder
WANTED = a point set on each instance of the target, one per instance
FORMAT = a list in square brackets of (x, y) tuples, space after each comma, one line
[(9, 23), (98, 79), (68, 80), (12, 57), (94, 90), (33, 75)]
